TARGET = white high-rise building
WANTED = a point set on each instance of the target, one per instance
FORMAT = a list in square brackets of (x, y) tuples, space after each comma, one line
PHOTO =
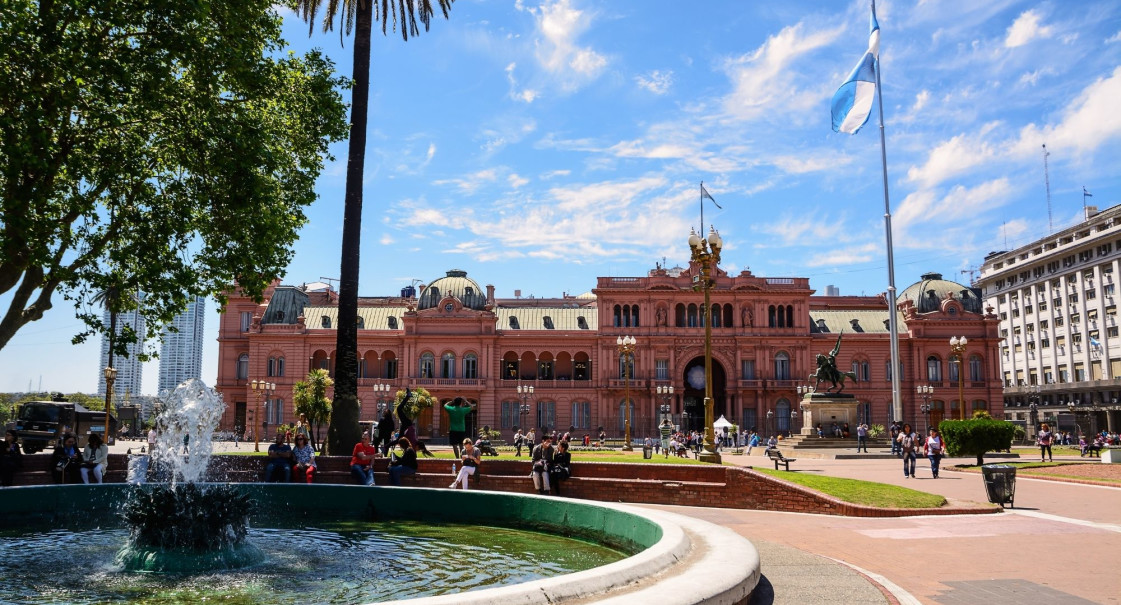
[(181, 351), (130, 371)]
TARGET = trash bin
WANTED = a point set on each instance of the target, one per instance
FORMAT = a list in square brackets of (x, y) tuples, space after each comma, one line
[(647, 452), (1000, 483)]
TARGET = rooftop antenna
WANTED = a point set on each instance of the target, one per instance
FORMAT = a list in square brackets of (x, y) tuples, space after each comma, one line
[(1047, 182)]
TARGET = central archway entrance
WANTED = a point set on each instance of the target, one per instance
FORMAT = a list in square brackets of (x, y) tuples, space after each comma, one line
[(693, 400)]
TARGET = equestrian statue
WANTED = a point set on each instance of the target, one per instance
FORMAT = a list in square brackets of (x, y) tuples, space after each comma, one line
[(827, 369)]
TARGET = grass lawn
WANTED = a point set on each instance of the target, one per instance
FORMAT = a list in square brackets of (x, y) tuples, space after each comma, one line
[(867, 493)]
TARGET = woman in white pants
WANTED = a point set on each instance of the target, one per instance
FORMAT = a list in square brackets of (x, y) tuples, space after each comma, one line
[(470, 459), (95, 457)]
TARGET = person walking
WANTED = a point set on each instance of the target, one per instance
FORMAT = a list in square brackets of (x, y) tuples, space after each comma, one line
[(519, 440), (1044, 439), (934, 447), (752, 443), (905, 440), (862, 438)]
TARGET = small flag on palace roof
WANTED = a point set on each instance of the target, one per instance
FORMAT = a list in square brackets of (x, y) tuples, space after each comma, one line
[(852, 103)]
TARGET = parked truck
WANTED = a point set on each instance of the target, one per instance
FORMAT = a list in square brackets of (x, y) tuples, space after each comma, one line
[(39, 424)]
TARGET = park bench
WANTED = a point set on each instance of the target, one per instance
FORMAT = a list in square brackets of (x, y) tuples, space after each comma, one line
[(777, 456), (1092, 449)]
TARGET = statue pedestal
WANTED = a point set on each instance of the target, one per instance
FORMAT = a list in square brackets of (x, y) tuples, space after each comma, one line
[(827, 408)]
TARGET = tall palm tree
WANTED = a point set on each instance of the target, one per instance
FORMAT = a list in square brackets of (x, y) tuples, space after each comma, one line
[(358, 16)]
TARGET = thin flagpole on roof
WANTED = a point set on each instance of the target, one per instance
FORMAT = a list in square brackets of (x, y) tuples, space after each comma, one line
[(850, 108)]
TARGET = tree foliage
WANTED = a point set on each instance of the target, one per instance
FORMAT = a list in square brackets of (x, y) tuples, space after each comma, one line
[(310, 399), (165, 148), (976, 436)]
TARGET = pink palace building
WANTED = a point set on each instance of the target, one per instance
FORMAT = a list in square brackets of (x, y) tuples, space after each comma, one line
[(458, 339)]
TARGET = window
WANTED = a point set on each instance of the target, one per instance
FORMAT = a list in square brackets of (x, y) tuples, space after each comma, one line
[(887, 367), (747, 369), (447, 365), (470, 366), (626, 366), (622, 418), (324, 321), (510, 412), (427, 366), (976, 371), (246, 320), (510, 370), (280, 366), (933, 369), (661, 369), (545, 370), (391, 368), (242, 369), (392, 321), (782, 366), (546, 415), (954, 366), (274, 411), (582, 415), (271, 367), (580, 370)]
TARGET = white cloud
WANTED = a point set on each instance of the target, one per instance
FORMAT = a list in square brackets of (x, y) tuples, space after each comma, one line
[(1114, 38), (525, 95), (386, 239), (555, 173), (960, 207), (803, 164), (471, 182), (920, 100), (1031, 78), (845, 256), (1025, 29), (657, 81), (516, 181), (559, 26), (956, 156), (1091, 120), (763, 80)]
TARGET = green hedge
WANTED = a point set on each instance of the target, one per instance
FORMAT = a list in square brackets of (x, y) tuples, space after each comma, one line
[(977, 436)]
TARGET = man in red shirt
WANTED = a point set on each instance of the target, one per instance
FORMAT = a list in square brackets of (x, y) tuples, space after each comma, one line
[(362, 461)]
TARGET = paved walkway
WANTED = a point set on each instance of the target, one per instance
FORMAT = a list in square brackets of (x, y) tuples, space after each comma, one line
[(1057, 546)]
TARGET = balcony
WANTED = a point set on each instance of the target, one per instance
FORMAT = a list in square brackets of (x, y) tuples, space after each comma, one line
[(782, 384), (751, 384), (619, 383)]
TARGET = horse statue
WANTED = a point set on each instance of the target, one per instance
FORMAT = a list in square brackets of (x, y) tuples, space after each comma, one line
[(827, 369)]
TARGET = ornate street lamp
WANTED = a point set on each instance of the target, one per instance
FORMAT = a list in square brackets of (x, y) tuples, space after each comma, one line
[(666, 393), (793, 419), (110, 378), (957, 347), (262, 389), (625, 345), (770, 416), (925, 391), (706, 253), (525, 392)]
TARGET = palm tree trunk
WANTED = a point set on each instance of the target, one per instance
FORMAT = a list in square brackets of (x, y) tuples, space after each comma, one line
[(343, 431)]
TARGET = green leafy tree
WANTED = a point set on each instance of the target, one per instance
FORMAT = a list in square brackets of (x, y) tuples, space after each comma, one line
[(976, 436), (358, 16), (165, 148), (310, 399)]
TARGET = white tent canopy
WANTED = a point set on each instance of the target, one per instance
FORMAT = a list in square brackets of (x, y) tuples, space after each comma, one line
[(722, 422)]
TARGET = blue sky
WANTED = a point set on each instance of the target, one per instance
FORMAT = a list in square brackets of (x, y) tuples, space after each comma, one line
[(538, 145)]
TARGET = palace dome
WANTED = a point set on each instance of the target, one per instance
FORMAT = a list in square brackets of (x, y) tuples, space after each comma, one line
[(457, 285), (927, 294)]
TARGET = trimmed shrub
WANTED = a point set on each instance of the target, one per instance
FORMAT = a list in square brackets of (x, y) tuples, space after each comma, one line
[(977, 436)]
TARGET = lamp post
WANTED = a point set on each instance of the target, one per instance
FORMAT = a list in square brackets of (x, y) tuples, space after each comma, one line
[(925, 391), (957, 347), (381, 390), (666, 393), (525, 392), (706, 253), (793, 418), (262, 389), (1074, 414), (770, 416), (684, 420), (110, 378), (625, 344)]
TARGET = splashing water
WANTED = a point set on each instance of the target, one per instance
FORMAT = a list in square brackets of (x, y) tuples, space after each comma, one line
[(183, 432)]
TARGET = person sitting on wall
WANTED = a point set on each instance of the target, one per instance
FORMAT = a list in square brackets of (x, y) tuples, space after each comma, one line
[(280, 460), (362, 461), (560, 470), (402, 461), (95, 457), (66, 460), (542, 458), (11, 458), (303, 458)]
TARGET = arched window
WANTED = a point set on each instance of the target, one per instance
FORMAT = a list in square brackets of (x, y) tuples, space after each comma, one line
[(470, 365), (771, 317), (270, 368), (976, 369), (727, 316), (934, 369), (887, 370), (679, 315), (325, 321), (243, 366), (622, 416), (781, 316), (427, 366), (280, 366), (782, 416), (447, 365), (617, 317), (717, 317), (790, 316), (692, 316), (634, 316), (861, 370), (361, 323), (628, 368), (782, 366)]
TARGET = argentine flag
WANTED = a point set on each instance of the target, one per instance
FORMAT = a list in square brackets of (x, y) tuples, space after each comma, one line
[(852, 103)]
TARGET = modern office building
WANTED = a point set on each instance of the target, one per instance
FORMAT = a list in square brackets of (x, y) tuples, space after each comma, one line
[(181, 349), (130, 371), (456, 338), (1056, 299)]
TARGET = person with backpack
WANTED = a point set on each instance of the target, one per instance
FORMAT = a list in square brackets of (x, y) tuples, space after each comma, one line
[(934, 448), (905, 441)]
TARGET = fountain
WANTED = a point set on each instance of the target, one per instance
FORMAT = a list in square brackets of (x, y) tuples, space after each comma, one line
[(342, 543)]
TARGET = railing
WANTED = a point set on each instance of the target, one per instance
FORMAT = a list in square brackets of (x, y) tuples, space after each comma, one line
[(751, 384), (782, 384)]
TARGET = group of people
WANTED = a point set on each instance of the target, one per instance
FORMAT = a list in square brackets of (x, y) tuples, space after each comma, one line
[(285, 460), (908, 443), (68, 462)]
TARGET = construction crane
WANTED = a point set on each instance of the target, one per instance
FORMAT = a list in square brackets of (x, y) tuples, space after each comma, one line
[(972, 275)]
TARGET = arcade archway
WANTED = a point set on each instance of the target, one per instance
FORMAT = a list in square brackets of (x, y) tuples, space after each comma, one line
[(694, 396)]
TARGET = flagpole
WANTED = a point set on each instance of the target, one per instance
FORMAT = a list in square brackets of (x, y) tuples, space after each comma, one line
[(893, 327), (702, 231)]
